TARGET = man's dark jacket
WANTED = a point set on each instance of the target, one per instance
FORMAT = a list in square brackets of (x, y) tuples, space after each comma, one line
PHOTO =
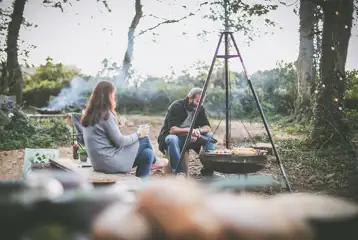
[(177, 113)]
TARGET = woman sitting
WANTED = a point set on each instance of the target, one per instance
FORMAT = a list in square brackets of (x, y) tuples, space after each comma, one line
[(108, 149)]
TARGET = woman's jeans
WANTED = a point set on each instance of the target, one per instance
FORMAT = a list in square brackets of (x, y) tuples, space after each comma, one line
[(175, 144), (145, 158)]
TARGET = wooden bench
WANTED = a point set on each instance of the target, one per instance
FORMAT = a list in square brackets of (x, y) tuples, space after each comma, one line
[(90, 174)]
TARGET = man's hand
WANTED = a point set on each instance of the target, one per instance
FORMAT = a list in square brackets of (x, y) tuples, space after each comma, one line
[(193, 139), (195, 133)]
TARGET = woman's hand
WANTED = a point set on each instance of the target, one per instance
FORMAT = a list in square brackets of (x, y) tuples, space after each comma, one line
[(143, 131)]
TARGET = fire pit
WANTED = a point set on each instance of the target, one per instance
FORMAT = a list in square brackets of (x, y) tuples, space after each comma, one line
[(229, 162), (47, 110)]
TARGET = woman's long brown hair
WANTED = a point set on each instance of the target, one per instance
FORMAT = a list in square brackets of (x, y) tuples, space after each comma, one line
[(99, 105)]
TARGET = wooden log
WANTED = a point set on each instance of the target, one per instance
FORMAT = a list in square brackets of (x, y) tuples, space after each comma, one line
[(263, 146)]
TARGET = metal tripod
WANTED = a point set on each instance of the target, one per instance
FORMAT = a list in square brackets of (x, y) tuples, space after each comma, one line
[(226, 35)]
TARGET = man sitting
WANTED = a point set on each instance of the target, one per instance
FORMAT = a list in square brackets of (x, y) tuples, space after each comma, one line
[(177, 125)]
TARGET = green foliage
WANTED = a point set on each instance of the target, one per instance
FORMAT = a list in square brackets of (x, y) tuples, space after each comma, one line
[(5, 17), (241, 15), (49, 231), (295, 128), (275, 88), (49, 75), (39, 97), (22, 132), (152, 95), (352, 84), (38, 158)]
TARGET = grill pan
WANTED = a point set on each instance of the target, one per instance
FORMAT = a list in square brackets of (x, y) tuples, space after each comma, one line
[(233, 164), (47, 110)]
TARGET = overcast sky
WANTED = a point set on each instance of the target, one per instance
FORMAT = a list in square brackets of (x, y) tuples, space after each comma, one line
[(77, 37)]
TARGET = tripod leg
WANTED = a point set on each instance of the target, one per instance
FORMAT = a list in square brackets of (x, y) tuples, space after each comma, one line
[(262, 116), (228, 127), (199, 104)]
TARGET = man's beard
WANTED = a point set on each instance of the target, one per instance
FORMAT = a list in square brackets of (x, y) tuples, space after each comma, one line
[(192, 106)]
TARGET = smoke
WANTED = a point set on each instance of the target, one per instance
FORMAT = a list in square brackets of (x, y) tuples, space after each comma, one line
[(215, 102), (120, 80), (74, 95)]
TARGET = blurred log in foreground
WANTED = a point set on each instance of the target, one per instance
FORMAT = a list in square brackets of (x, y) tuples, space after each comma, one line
[(181, 209)]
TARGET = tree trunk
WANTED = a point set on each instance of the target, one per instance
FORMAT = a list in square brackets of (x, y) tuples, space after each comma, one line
[(127, 61), (304, 63), (3, 78), (329, 127), (317, 49), (15, 78)]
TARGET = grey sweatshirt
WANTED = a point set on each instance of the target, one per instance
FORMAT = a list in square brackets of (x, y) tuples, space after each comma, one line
[(109, 150)]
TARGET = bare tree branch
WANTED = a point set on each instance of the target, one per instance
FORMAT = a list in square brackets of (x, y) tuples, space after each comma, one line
[(153, 16), (164, 22), (60, 5), (167, 21)]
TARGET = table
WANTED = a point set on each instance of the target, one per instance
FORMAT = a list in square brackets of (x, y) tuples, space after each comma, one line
[(91, 175)]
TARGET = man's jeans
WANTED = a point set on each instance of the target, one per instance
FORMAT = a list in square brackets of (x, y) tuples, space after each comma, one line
[(145, 158), (175, 144)]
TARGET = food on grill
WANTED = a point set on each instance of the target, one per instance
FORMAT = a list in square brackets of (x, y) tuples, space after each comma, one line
[(244, 151), (222, 151), (236, 151)]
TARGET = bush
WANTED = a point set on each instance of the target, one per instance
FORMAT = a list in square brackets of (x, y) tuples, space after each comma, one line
[(22, 132), (49, 75), (39, 97)]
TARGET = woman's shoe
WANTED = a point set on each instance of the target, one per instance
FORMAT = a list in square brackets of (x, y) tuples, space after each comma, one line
[(160, 163)]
